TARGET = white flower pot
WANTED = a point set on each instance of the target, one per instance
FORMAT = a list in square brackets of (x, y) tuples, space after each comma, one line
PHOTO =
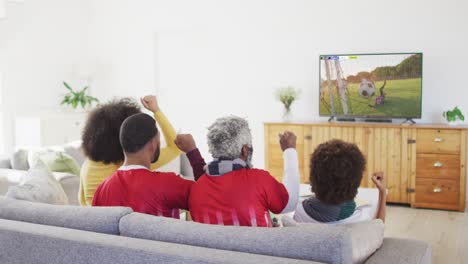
[(455, 123)]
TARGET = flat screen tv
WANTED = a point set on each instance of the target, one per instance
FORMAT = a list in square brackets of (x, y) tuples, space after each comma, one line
[(371, 85)]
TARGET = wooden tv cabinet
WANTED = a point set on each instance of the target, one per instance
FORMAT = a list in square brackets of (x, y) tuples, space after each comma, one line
[(424, 164)]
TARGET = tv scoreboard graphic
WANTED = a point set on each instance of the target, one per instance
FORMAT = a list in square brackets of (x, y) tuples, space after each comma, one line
[(335, 57)]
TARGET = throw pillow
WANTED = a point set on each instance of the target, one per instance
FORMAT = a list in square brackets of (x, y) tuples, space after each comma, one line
[(56, 161), (19, 160), (366, 236), (75, 150), (39, 185)]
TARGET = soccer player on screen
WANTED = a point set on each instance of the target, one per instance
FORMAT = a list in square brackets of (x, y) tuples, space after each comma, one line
[(381, 98)]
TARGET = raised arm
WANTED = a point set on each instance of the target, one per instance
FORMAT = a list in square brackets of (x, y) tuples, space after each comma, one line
[(291, 169), (171, 151), (186, 143), (380, 182)]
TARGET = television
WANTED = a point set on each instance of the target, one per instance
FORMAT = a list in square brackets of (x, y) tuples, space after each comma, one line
[(372, 86)]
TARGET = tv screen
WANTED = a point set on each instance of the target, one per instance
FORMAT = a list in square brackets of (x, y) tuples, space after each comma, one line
[(371, 85)]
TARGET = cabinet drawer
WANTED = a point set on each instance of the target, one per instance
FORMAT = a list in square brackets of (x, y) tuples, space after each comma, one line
[(438, 141), (437, 191), (438, 166)]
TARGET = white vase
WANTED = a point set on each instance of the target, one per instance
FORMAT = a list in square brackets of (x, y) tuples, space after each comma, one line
[(455, 123)]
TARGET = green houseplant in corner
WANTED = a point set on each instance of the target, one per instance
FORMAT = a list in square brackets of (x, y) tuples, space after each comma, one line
[(77, 98), (287, 96), (454, 117)]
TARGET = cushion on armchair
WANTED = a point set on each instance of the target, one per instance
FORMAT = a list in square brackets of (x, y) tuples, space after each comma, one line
[(39, 185), (19, 160), (56, 161)]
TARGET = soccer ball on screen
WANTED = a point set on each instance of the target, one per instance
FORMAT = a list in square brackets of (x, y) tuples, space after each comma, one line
[(366, 88)]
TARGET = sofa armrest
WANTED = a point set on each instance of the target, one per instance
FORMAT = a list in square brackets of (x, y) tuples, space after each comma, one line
[(5, 162), (402, 251)]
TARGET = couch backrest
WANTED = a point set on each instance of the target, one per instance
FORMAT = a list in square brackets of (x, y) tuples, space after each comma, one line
[(322, 243), (31, 243), (95, 219)]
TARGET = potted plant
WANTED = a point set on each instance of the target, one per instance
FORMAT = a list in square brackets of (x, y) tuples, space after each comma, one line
[(287, 96), (78, 98), (454, 117)]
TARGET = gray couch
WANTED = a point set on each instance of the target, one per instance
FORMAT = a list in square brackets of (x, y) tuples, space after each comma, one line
[(12, 174), (42, 233)]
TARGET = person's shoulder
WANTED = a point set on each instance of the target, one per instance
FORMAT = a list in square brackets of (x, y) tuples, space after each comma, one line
[(169, 175), (260, 173), (164, 174)]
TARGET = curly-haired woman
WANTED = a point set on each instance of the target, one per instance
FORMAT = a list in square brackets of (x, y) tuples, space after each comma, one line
[(102, 147), (336, 170)]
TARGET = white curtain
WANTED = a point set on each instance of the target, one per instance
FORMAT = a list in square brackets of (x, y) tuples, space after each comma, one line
[(2, 8)]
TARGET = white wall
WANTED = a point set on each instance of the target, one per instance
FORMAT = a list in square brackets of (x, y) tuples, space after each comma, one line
[(206, 58), (41, 43)]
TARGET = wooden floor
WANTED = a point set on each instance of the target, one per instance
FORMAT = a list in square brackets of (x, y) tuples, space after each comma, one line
[(446, 231)]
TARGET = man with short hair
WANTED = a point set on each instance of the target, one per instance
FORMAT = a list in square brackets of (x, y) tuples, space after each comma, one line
[(134, 185), (232, 192)]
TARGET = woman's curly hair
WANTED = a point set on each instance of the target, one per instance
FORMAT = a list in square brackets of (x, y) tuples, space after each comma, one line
[(336, 169), (101, 132)]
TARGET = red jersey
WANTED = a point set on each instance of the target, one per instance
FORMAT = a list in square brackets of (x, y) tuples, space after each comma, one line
[(148, 192), (241, 197)]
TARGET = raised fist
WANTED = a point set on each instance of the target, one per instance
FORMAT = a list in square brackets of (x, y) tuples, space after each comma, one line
[(379, 180), (287, 140), (185, 142), (150, 102)]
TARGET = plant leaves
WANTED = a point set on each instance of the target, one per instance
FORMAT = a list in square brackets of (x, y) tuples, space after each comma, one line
[(78, 98), (67, 86)]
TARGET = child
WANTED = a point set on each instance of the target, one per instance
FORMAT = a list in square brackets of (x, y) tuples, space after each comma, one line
[(336, 169)]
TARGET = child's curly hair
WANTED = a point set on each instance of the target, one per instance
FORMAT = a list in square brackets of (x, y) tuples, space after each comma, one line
[(336, 169), (101, 133)]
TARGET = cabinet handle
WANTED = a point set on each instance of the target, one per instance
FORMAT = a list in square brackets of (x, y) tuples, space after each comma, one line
[(438, 140), (437, 190), (308, 137), (438, 164)]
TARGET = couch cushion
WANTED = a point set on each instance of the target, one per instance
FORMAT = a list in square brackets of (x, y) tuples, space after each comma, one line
[(19, 160), (5, 161), (56, 161), (70, 183), (366, 236), (402, 251), (39, 185), (75, 151), (71, 186), (96, 219), (30, 243), (328, 244)]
